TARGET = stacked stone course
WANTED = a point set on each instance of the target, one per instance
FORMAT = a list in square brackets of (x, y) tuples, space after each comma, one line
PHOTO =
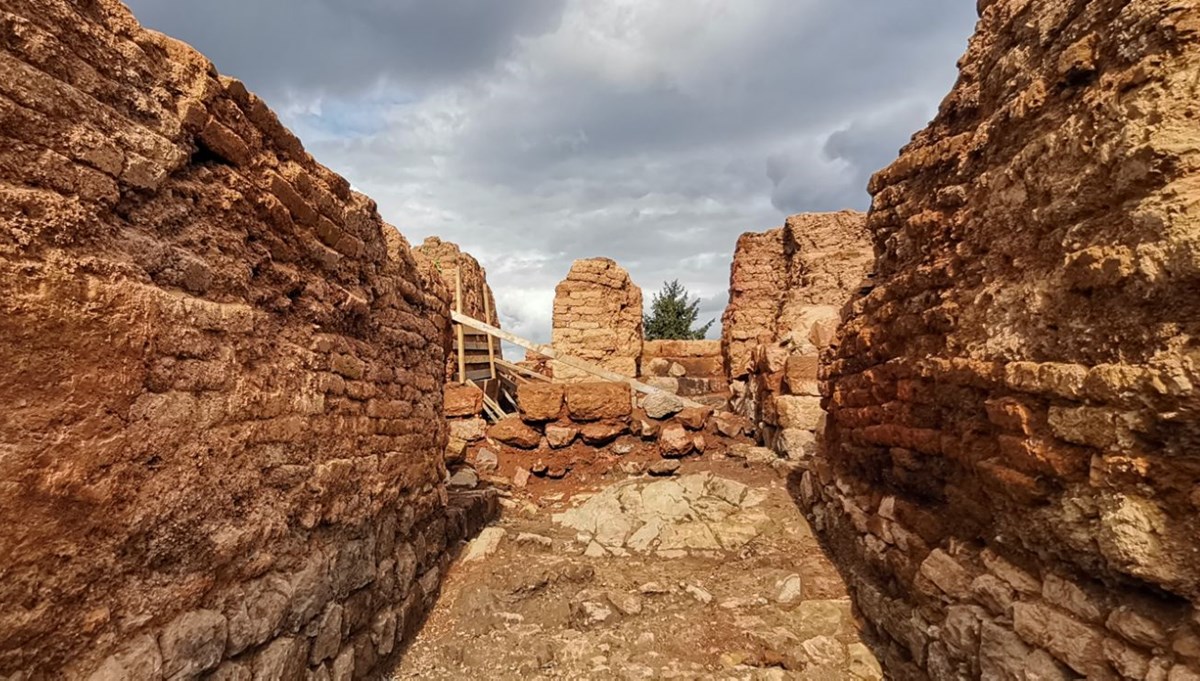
[(478, 302), (221, 450), (1009, 472), (691, 368), (787, 286), (598, 318)]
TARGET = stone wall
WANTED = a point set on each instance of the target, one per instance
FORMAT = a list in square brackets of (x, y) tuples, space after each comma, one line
[(222, 438), (1009, 480), (692, 368), (447, 259), (787, 286), (598, 318)]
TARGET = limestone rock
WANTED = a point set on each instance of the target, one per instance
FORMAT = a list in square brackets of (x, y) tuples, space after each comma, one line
[(558, 436), (468, 430), (194, 642), (484, 545), (464, 478), (660, 405), (676, 441), (694, 418), (664, 468), (511, 430)]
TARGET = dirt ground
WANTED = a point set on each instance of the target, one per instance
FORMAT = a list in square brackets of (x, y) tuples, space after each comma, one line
[(710, 573)]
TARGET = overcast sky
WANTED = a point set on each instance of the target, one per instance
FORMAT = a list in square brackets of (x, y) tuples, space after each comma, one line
[(535, 132)]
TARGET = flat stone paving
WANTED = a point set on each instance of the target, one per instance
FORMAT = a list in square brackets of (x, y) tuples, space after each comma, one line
[(711, 574)]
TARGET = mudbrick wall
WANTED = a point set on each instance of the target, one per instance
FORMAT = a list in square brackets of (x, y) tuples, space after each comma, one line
[(1012, 447), (787, 287), (448, 260), (221, 444), (598, 318)]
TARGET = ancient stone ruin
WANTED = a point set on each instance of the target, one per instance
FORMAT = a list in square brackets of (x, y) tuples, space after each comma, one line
[(598, 318), (953, 438), (1009, 478), (786, 289), (223, 438)]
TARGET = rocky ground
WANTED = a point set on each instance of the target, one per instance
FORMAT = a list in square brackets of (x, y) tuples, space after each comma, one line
[(709, 573)]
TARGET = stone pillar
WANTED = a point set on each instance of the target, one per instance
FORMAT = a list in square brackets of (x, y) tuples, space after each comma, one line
[(598, 318)]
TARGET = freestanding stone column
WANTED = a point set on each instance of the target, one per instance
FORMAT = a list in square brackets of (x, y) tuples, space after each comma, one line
[(598, 317)]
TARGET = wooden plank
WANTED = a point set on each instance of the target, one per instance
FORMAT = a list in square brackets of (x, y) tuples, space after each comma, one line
[(481, 374), (458, 307), (518, 369), (547, 351), (487, 314)]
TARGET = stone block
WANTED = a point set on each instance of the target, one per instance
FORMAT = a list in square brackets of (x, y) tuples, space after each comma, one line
[(796, 411), (598, 400), (513, 431), (138, 659), (675, 441), (192, 643), (661, 405), (559, 436), (1071, 641), (283, 658), (599, 433), (540, 401), (694, 418), (463, 400)]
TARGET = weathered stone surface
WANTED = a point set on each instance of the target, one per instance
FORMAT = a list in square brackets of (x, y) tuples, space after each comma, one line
[(598, 318), (463, 400), (814, 260), (660, 405), (1017, 372), (600, 433), (194, 642), (468, 430), (675, 441), (558, 436), (597, 400), (220, 364), (540, 401), (511, 430), (694, 418), (460, 271)]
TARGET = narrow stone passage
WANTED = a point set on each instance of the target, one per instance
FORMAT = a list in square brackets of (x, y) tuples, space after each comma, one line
[(713, 573)]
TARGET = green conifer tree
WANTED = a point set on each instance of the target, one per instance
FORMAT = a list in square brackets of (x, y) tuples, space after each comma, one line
[(672, 315)]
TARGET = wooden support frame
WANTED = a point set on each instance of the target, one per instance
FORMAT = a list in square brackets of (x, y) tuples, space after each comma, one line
[(458, 308), (491, 342), (567, 360)]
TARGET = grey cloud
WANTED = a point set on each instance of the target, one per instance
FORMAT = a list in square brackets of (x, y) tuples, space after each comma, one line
[(343, 46), (499, 130)]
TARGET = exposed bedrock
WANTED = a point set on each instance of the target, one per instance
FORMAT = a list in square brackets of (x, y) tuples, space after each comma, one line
[(1010, 463)]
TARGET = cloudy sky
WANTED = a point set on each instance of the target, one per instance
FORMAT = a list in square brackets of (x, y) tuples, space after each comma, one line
[(535, 132)]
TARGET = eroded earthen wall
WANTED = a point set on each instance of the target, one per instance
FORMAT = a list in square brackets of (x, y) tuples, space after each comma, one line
[(460, 270), (221, 443), (598, 318), (787, 287), (1010, 474)]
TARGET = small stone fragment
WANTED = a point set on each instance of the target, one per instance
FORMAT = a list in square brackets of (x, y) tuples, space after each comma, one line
[(664, 468)]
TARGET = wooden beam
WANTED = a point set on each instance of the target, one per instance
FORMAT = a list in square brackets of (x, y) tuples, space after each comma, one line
[(518, 369), (458, 307), (487, 315), (547, 351)]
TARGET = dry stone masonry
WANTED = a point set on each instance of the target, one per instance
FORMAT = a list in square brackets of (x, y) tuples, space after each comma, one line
[(1010, 474), (787, 286), (221, 449), (598, 318), (692, 368)]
